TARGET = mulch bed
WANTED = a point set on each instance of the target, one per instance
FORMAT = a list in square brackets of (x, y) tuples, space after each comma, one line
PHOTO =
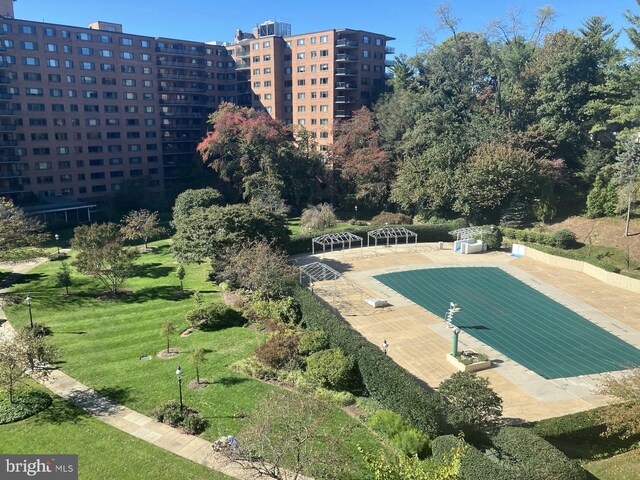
[(173, 352), (193, 385)]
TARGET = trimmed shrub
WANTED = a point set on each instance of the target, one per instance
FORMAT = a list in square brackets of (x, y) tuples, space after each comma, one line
[(331, 369), (533, 457), (400, 433), (25, 405), (387, 382), (286, 310), (388, 423), (193, 423), (561, 239), (312, 342), (389, 218), (186, 419), (493, 241), (279, 351), (214, 316)]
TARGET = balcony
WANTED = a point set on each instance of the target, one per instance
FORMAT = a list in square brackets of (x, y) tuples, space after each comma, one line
[(4, 80), (343, 114), (346, 85), (5, 96), (8, 143), (199, 89), (4, 112), (389, 63), (346, 71), (11, 189), (7, 127), (242, 53), (9, 158), (10, 174), (3, 64), (389, 50), (168, 76), (345, 57), (181, 115), (180, 51), (242, 65), (182, 102), (345, 99), (171, 63), (345, 43)]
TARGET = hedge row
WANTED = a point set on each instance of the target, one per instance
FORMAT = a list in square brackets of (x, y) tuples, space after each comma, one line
[(517, 454), (383, 379), (561, 239), (426, 233)]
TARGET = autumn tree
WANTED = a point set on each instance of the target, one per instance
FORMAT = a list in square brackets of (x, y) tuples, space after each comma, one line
[(102, 254), (622, 416), (141, 225), (363, 169), (20, 235)]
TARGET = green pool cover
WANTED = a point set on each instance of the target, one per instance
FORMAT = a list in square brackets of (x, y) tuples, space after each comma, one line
[(516, 320)]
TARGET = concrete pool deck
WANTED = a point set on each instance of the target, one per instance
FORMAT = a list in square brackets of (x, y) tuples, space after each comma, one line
[(419, 340)]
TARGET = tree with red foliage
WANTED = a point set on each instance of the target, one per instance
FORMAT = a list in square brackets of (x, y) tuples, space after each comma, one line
[(363, 169), (253, 151)]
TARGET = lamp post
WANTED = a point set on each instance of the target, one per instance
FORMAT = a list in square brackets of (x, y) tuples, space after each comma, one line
[(57, 237), (356, 207), (454, 349), (28, 300), (179, 375)]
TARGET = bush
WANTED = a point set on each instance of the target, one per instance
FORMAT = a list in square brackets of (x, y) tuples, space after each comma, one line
[(533, 457), (388, 218), (561, 239), (286, 310), (214, 316), (342, 399), (186, 419), (383, 379), (493, 240), (254, 368), (279, 351), (318, 217), (331, 369), (312, 342), (25, 404), (400, 433), (474, 464), (193, 423)]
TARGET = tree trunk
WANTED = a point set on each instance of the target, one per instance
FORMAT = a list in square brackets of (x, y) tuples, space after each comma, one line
[(626, 227), (10, 393), (67, 289), (167, 345), (197, 375)]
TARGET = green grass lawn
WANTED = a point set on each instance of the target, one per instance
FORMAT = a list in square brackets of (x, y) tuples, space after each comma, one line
[(625, 466), (613, 256), (101, 343), (103, 451)]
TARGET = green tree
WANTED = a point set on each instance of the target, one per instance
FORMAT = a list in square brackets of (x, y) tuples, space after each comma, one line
[(141, 225), (208, 232), (180, 273), (602, 200), (20, 235), (167, 331), (471, 405), (21, 356), (102, 254), (628, 175), (198, 358), (189, 200), (63, 276)]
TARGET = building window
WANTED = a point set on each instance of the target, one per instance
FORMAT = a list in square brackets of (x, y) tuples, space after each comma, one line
[(324, 53), (267, 71), (379, 42), (49, 32), (266, 44), (104, 39), (256, 71), (300, 41), (300, 55), (324, 121), (324, 108), (324, 39), (34, 91), (145, 43), (126, 41), (324, 66), (301, 82), (366, 39), (27, 29), (301, 121), (32, 61), (302, 109), (256, 46)]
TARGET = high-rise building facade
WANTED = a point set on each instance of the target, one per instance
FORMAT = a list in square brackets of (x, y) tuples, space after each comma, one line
[(83, 111)]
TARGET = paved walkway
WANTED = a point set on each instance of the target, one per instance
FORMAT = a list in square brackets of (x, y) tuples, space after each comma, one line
[(168, 438)]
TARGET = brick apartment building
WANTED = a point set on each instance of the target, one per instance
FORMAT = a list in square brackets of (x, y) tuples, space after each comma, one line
[(85, 110)]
